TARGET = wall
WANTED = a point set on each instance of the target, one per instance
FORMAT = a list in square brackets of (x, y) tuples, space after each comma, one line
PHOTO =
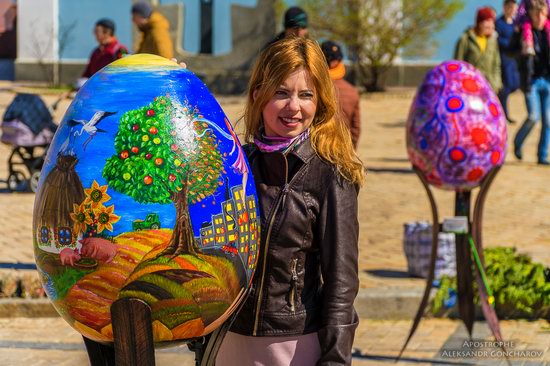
[(80, 17), (36, 30)]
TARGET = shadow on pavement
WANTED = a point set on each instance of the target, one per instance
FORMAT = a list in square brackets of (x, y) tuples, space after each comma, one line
[(388, 273), (390, 170)]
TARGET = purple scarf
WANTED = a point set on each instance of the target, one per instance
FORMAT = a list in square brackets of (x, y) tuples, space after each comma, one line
[(276, 143)]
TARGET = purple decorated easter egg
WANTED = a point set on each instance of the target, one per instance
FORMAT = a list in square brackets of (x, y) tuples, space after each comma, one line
[(456, 130)]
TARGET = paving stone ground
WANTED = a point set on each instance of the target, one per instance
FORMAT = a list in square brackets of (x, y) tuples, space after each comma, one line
[(517, 214), (50, 341)]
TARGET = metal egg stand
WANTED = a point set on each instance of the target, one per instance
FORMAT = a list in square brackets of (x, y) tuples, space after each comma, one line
[(466, 248)]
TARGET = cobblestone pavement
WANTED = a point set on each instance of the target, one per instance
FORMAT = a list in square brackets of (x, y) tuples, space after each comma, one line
[(50, 341), (516, 214)]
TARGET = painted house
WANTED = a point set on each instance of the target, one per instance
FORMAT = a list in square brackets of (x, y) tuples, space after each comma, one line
[(218, 39)]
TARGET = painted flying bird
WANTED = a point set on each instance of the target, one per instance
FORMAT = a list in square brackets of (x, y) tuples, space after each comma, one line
[(89, 126)]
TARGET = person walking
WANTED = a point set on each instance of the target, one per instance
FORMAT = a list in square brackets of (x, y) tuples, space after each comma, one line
[(347, 94), (154, 28), (509, 67), (478, 46), (535, 81), (300, 307), (295, 24), (109, 49)]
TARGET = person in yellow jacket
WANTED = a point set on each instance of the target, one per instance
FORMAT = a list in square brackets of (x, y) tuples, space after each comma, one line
[(154, 28)]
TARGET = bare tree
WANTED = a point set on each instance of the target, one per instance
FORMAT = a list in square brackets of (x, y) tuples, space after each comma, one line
[(376, 31), (64, 39), (40, 49), (42, 46)]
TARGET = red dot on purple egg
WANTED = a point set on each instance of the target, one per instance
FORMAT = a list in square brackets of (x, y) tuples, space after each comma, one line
[(495, 157), (470, 85), (454, 104), (494, 109), (453, 67), (457, 154), (479, 136), (475, 174)]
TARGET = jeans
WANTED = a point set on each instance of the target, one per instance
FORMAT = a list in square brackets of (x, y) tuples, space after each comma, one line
[(538, 106)]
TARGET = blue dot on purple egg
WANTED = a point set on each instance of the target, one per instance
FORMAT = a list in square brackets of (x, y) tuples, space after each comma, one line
[(423, 144)]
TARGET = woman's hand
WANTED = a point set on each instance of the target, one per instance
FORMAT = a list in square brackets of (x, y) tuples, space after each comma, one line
[(182, 64)]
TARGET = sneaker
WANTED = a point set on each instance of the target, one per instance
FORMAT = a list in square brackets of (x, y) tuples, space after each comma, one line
[(543, 162)]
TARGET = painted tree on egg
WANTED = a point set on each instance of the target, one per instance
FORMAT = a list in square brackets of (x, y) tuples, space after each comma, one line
[(164, 154)]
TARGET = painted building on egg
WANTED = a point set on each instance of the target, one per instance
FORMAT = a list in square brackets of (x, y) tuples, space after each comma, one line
[(236, 229)]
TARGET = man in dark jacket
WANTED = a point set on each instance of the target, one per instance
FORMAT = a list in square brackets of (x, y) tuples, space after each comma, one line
[(509, 67), (295, 24), (109, 49), (535, 82), (348, 97)]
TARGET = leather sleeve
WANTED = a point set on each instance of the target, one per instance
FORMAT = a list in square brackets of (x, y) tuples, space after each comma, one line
[(338, 231)]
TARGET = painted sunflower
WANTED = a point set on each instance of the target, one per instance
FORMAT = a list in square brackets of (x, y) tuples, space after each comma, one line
[(80, 218), (105, 218), (96, 195)]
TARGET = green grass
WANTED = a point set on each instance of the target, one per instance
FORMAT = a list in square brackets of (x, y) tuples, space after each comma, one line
[(65, 280)]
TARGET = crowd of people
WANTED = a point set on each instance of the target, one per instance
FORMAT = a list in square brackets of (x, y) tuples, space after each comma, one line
[(513, 52)]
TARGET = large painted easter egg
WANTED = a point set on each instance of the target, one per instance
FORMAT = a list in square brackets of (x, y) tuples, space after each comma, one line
[(146, 193), (456, 130)]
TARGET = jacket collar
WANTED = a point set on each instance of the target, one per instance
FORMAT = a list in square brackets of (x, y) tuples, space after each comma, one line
[(304, 151)]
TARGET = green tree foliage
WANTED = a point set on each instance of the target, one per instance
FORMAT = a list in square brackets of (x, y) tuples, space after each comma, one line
[(376, 31), (279, 6), (166, 153)]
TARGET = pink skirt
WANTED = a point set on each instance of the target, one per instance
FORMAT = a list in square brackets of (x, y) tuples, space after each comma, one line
[(239, 350)]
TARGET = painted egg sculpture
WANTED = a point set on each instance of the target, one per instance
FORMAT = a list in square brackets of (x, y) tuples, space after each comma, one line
[(146, 193), (456, 130)]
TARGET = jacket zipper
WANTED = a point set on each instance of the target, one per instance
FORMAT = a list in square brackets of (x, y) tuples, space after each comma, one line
[(293, 282), (280, 202)]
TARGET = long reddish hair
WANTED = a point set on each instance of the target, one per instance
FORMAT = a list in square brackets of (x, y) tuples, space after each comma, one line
[(330, 137)]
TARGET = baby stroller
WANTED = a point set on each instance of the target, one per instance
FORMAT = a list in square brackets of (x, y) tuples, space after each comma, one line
[(28, 127)]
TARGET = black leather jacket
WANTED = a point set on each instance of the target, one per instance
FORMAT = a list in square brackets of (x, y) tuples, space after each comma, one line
[(306, 278)]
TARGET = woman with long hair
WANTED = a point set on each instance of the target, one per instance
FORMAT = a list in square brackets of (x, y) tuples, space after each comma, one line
[(307, 174)]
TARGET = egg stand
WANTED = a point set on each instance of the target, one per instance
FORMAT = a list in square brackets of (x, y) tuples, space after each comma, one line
[(466, 247), (133, 338)]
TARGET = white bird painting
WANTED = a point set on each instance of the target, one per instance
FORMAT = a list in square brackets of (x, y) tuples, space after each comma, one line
[(88, 127)]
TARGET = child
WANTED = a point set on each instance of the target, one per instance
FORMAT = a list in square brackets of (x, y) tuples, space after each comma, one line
[(307, 175), (522, 21)]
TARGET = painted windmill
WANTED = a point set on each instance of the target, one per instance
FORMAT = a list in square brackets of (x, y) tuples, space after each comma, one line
[(456, 140)]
